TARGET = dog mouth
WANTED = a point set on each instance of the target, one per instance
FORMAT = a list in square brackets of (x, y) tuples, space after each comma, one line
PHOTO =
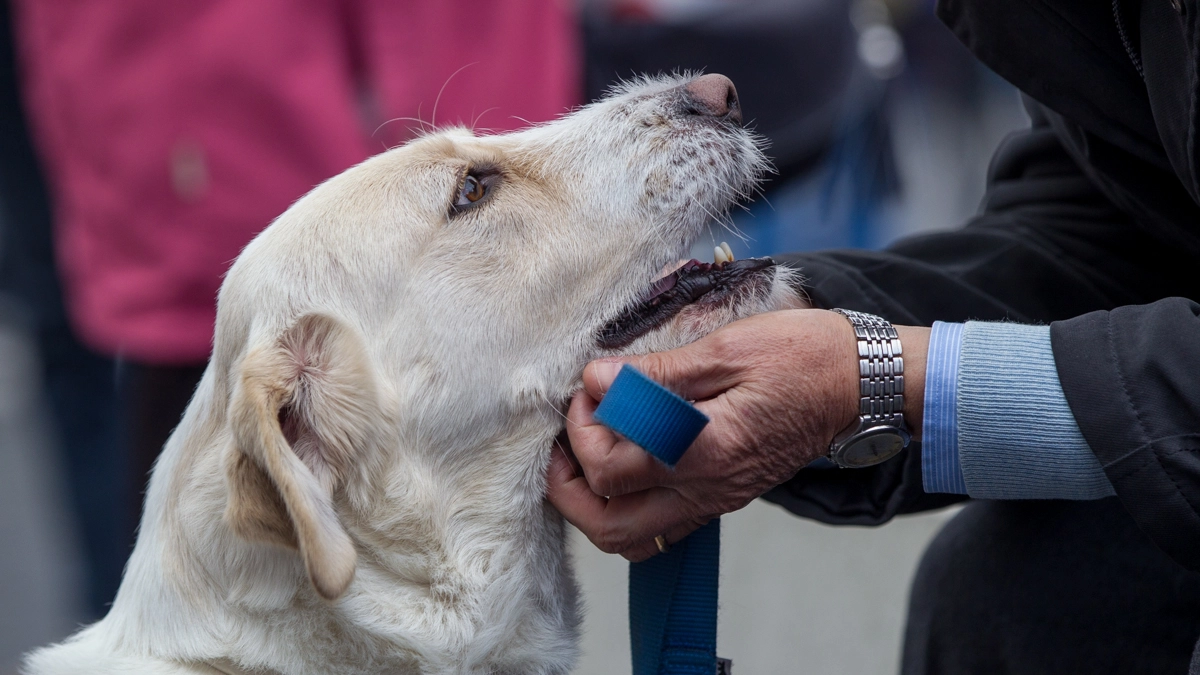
[(692, 283)]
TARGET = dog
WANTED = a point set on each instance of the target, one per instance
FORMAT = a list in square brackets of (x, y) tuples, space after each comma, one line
[(357, 485)]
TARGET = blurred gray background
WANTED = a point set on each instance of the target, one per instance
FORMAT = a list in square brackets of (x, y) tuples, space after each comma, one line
[(796, 596)]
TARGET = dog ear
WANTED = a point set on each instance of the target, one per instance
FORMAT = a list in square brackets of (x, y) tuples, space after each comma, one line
[(304, 410)]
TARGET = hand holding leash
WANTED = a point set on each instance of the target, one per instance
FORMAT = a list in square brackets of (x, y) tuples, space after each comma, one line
[(777, 387)]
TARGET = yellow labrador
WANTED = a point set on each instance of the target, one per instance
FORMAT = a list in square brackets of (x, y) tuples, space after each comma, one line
[(358, 484)]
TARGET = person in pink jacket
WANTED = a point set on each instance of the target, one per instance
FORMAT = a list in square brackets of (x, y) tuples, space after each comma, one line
[(173, 132)]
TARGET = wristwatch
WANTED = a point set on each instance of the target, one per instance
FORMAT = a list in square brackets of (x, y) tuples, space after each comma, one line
[(879, 432)]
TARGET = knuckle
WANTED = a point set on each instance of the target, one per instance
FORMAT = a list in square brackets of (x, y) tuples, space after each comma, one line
[(600, 480), (606, 546), (727, 443), (693, 508), (728, 503), (670, 369), (723, 346), (637, 556), (586, 448), (656, 366), (610, 540)]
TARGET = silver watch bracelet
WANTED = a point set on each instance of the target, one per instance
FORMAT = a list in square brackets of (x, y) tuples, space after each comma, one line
[(880, 369)]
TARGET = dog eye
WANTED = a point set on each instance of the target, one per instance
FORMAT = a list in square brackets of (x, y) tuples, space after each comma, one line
[(473, 189)]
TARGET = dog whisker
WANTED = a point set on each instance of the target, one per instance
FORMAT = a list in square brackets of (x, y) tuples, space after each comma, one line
[(725, 222), (737, 232), (475, 121), (702, 207), (421, 129), (438, 99), (557, 410)]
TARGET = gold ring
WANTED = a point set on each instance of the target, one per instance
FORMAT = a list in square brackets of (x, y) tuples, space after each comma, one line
[(663, 546)]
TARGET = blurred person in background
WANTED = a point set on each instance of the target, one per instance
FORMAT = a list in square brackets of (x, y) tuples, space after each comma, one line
[(171, 133), (78, 383)]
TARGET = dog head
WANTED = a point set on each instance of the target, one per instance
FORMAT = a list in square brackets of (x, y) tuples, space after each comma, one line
[(414, 324)]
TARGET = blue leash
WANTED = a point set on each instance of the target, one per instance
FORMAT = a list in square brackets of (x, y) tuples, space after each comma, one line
[(672, 596)]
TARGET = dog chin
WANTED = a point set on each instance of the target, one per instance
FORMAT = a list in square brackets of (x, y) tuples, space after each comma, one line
[(701, 318)]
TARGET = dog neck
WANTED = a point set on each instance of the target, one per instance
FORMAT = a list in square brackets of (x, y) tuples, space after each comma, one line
[(227, 667), (472, 577)]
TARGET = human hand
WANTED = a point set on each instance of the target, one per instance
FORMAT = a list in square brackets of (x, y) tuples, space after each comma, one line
[(777, 388)]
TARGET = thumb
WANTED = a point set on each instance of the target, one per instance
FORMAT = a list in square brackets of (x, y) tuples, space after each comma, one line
[(692, 371)]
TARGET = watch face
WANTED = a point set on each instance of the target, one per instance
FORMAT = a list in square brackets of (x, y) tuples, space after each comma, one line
[(872, 447)]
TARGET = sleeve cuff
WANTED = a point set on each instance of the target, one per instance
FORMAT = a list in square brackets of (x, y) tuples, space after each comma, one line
[(1017, 438), (941, 470)]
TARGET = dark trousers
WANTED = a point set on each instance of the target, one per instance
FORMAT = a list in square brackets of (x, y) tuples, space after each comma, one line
[(80, 385), (1031, 588), (111, 417), (154, 399)]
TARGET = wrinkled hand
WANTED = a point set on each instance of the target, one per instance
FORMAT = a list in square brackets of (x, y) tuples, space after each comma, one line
[(777, 388)]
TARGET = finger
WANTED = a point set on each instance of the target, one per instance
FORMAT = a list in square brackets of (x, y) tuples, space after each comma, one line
[(598, 375), (562, 443), (561, 469), (693, 372), (581, 414), (614, 466), (622, 523), (713, 441), (611, 465), (645, 551), (570, 494), (641, 552), (631, 520), (716, 451)]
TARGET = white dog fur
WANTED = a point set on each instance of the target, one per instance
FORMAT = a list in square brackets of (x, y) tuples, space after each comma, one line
[(358, 483)]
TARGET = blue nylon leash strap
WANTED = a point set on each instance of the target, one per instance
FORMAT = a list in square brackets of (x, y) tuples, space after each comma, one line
[(672, 596)]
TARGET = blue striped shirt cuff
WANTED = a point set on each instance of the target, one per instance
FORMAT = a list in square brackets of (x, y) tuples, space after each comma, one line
[(941, 470)]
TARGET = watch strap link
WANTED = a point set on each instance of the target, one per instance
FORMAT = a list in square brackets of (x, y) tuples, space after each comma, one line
[(880, 369)]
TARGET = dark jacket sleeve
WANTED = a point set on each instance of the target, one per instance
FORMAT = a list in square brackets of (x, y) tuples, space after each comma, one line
[(1048, 245), (1132, 379)]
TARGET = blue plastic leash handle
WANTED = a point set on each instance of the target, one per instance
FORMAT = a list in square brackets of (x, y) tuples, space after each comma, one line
[(672, 596), (650, 415)]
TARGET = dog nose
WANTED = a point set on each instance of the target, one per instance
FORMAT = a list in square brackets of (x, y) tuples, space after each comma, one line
[(714, 95)]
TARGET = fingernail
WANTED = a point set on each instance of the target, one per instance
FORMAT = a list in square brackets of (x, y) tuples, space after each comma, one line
[(606, 372)]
